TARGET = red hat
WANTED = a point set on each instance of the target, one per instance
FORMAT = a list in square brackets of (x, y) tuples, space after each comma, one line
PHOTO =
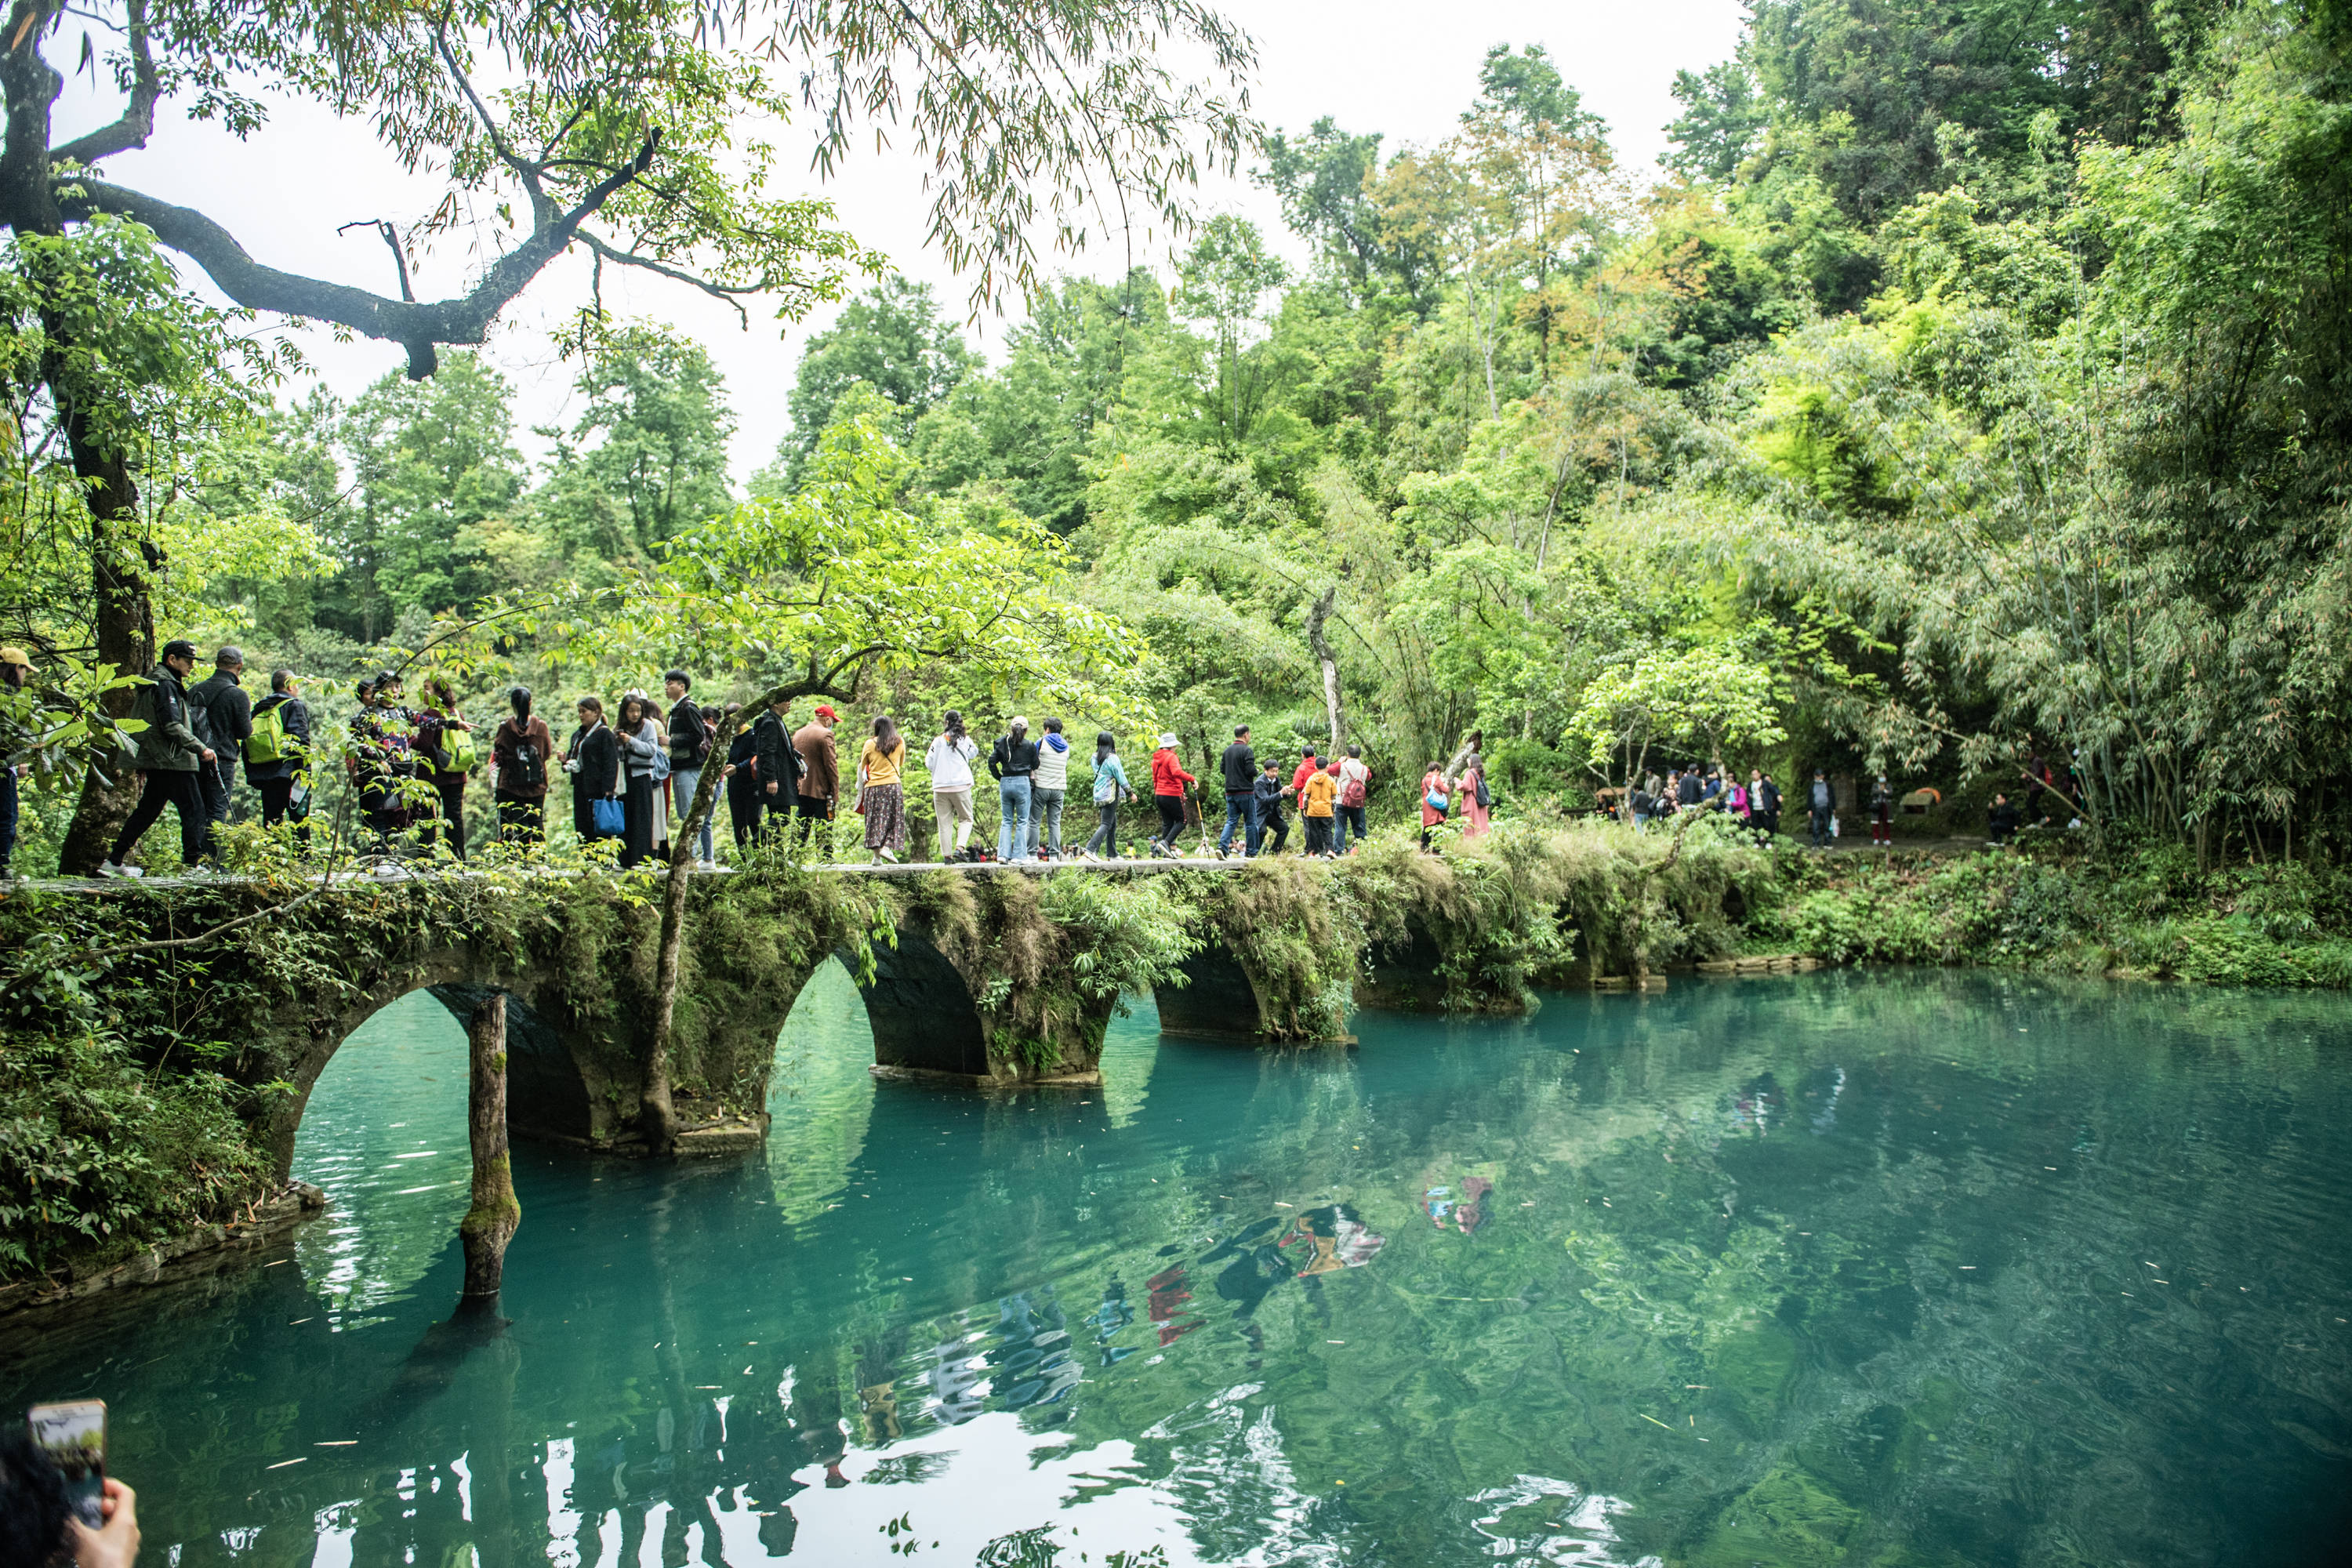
[(824, 710)]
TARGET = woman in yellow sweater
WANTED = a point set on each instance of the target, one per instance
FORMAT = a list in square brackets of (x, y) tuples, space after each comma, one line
[(879, 797)]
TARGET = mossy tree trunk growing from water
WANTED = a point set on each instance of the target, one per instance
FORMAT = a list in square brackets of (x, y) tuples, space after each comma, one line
[(494, 1217)]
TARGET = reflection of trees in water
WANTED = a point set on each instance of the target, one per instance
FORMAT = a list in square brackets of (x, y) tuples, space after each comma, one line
[(1858, 1384)]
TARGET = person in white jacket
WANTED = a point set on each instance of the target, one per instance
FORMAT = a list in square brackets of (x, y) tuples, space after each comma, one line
[(1048, 787), (949, 761)]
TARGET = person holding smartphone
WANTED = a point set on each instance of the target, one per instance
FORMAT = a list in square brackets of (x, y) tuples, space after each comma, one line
[(38, 1522)]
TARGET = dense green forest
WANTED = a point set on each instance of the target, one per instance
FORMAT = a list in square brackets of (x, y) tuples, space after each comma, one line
[(1963, 395)]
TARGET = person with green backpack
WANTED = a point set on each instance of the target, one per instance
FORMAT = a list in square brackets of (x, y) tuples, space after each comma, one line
[(277, 755), (446, 742)]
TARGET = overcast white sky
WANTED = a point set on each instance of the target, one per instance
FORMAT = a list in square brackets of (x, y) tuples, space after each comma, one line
[(1406, 69)]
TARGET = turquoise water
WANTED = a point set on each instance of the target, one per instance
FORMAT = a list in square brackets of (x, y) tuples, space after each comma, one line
[(1821, 1269)]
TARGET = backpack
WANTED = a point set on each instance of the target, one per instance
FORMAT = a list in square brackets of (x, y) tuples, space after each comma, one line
[(267, 745), (457, 745), (529, 767), (1352, 791)]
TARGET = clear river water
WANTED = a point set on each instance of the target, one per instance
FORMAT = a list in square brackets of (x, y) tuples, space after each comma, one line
[(1834, 1268)]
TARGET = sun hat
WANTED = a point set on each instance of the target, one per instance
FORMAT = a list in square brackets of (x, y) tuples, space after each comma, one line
[(15, 656), (1167, 738)]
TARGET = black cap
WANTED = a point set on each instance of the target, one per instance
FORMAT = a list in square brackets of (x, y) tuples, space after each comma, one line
[(179, 648)]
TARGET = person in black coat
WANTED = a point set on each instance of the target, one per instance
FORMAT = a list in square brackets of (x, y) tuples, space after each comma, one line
[(776, 762), (278, 782), (222, 716), (743, 780), (593, 760)]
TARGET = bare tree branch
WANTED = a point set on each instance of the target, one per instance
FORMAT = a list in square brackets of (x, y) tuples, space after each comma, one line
[(619, 258), (417, 327), (138, 121)]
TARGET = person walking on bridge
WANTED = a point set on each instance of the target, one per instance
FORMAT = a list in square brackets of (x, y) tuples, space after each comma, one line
[(168, 756), (881, 800), (1110, 787), (642, 742), (521, 752), (1013, 762), (1823, 803), (743, 782), (445, 744), (1049, 786), (593, 760), (691, 735), (1238, 767), (1355, 789), (776, 766), (949, 761), (222, 716), (277, 755), (820, 789), (1169, 783)]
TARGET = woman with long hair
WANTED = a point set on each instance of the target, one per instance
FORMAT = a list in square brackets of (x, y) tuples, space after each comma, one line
[(520, 751), (880, 797), (1111, 787), (642, 739), (949, 761), (593, 760)]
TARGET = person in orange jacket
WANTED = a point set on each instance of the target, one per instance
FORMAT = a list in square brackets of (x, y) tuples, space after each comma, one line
[(1170, 784)]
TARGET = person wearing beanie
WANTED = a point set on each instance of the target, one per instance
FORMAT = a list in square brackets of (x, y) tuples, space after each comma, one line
[(168, 757)]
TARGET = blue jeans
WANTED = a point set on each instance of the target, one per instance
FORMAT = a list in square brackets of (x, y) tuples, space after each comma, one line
[(1012, 832), (1046, 817), (1349, 816), (1240, 810), (683, 783)]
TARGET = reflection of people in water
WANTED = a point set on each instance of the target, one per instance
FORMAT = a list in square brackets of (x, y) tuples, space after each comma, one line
[(878, 1356), (1758, 1105), (1033, 1361), (814, 1413), (955, 1375), (1113, 1315), (762, 1452), (1334, 1237), (1166, 1307), (1461, 1206)]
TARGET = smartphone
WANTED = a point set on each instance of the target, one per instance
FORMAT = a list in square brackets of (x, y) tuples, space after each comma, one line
[(75, 1436)]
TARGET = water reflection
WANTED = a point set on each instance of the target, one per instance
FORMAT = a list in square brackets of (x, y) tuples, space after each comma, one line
[(1830, 1269)]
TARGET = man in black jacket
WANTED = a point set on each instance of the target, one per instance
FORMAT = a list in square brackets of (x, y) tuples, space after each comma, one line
[(1239, 766), (689, 742), (278, 780), (222, 716), (775, 763), (1824, 803)]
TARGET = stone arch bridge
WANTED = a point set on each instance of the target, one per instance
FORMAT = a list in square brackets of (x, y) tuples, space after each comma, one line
[(932, 987)]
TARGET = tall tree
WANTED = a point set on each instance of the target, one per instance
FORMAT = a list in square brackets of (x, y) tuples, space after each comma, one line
[(893, 339), (431, 460), (648, 457)]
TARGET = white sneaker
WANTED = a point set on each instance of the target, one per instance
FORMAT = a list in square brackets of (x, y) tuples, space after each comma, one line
[(112, 868)]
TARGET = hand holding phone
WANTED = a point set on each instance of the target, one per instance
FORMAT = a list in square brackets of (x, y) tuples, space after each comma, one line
[(74, 1438)]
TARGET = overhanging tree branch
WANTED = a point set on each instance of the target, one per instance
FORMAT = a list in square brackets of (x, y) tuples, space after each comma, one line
[(418, 327)]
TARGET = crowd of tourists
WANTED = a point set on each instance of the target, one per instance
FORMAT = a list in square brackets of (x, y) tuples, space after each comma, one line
[(635, 769)]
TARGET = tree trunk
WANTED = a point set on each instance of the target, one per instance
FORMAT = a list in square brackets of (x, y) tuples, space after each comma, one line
[(123, 621), (657, 1110), (495, 1215), (1321, 644)]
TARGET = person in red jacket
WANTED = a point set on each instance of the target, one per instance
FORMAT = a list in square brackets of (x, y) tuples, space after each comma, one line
[(1170, 783)]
